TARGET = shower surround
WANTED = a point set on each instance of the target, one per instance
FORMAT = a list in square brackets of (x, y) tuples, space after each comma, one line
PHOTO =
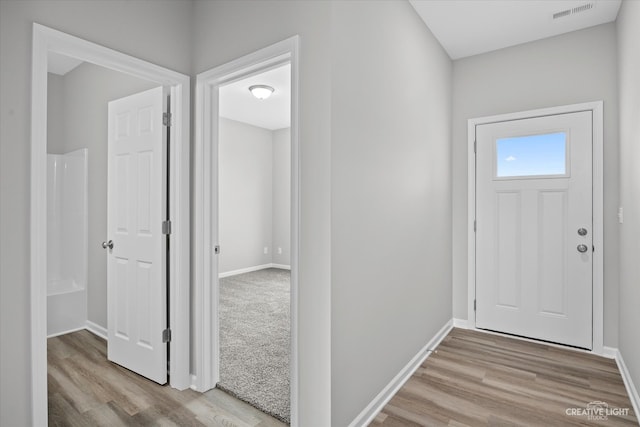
[(67, 231)]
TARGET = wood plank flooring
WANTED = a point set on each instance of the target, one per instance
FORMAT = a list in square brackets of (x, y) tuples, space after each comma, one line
[(479, 379), (85, 389)]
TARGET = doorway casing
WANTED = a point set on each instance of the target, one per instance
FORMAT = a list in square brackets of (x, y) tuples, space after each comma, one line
[(206, 331), (596, 108), (47, 40)]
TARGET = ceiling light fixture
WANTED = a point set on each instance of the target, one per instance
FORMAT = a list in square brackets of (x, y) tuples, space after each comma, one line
[(261, 91)]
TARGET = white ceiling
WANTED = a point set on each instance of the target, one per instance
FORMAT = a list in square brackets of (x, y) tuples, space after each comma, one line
[(470, 27), (237, 103), (61, 64)]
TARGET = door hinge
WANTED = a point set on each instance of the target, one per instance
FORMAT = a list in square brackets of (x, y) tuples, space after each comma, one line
[(166, 227), (166, 119), (474, 305), (474, 226), (166, 335), (475, 148), (216, 249)]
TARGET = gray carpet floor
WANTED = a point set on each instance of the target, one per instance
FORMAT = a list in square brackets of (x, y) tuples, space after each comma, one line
[(255, 339)]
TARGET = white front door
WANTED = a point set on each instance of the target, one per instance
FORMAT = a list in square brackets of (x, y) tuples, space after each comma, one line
[(534, 228), (136, 276)]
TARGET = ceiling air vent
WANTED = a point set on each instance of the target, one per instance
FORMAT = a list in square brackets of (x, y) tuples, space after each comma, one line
[(561, 14), (582, 8), (577, 9)]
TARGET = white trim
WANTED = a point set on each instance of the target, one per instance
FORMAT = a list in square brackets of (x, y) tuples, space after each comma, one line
[(254, 268), (38, 229), (244, 270), (367, 415), (98, 330), (206, 334), (94, 328), (628, 383), (194, 381), (68, 331), (180, 253), (460, 323), (598, 208), (609, 352), (48, 40)]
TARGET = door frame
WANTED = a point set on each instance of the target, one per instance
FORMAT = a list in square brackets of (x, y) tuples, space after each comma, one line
[(47, 40), (206, 330), (596, 108)]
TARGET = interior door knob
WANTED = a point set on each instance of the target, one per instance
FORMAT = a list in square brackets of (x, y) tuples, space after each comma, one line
[(582, 231), (582, 248), (108, 244)]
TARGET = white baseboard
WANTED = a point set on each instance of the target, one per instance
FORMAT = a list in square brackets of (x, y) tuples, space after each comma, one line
[(89, 326), (632, 391), (244, 270), (194, 382), (254, 268), (461, 323), (96, 329), (68, 331), (369, 413), (609, 352)]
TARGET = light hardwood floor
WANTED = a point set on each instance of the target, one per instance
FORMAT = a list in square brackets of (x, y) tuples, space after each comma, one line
[(479, 379), (85, 389)]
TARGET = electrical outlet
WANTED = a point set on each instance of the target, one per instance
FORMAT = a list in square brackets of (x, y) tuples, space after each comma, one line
[(266, 250), (279, 251)]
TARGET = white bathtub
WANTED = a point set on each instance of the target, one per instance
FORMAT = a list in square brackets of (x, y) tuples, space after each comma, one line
[(66, 307)]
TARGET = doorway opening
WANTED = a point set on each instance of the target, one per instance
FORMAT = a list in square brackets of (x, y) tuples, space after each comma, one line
[(247, 232), (521, 198), (254, 239), (49, 47), (77, 182)]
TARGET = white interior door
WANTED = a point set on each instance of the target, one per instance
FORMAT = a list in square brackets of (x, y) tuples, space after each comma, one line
[(534, 228), (136, 276)]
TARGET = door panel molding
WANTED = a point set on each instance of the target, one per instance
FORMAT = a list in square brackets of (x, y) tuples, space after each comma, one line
[(596, 108), (531, 226), (136, 263), (47, 40)]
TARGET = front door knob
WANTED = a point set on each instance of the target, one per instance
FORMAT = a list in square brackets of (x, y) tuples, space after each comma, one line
[(108, 244), (582, 248), (582, 231)]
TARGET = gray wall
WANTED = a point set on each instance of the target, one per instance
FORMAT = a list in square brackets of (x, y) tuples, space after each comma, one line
[(567, 69), (255, 196), (157, 31), (55, 114), (629, 87), (281, 196), (245, 203), (391, 197), (225, 30), (82, 104)]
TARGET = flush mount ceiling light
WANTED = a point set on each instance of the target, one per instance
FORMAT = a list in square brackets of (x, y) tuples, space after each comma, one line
[(261, 91)]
